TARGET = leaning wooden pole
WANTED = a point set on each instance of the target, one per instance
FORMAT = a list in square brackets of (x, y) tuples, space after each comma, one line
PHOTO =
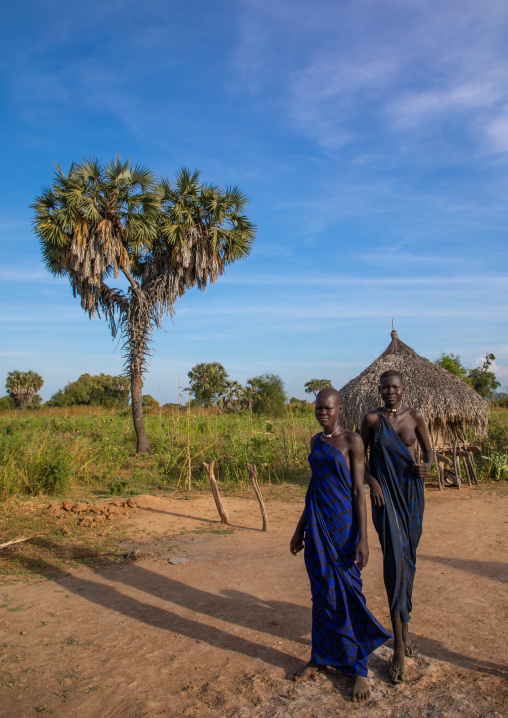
[(215, 491), (253, 473), (456, 466), (436, 460)]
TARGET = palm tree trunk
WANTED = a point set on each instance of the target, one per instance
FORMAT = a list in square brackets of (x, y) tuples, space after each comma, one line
[(137, 410)]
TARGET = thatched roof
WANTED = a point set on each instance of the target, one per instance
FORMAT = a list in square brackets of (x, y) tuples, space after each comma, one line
[(446, 402)]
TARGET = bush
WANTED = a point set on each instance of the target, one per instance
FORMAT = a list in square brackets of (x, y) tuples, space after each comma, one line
[(269, 397), (149, 402), (6, 403), (53, 472)]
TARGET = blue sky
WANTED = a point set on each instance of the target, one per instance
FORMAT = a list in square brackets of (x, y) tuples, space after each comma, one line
[(371, 137)]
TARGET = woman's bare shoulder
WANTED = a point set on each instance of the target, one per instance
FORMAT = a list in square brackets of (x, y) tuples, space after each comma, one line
[(371, 418)]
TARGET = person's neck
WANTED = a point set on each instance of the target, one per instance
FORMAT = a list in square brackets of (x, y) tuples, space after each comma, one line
[(393, 409), (328, 434)]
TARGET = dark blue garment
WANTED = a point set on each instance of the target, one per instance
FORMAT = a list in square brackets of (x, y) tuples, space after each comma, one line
[(344, 632), (399, 522)]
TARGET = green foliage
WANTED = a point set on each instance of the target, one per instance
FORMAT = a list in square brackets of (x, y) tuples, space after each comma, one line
[(36, 403), (269, 394), (117, 487), (453, 364), (7, 403), (315, 385), (208, 382), (98, 221), (68, 451), (481, 379), (94, 390), (300, 407), (484, 382), (54, 472), (494, 445), (22, 385), (149, 402), (497, 462)]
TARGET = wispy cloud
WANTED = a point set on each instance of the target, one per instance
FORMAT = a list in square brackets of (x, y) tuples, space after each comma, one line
[(20, 274), (383, 68)]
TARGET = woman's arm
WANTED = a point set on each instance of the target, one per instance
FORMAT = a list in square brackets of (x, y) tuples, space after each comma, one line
[(357, 463), (296, 543), (422, 469), (376, 492)]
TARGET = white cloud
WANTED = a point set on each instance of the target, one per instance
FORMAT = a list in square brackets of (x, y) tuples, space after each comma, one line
[(497, 131)]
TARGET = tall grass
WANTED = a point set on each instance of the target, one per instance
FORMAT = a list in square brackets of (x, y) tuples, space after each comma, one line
[(75, 450), (84, 451)]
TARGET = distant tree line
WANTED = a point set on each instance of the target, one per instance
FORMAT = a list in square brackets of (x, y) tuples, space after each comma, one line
[(481, 379), (99, 390), (210, 385)]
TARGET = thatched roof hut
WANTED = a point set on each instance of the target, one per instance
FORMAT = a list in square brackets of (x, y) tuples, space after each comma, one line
[(447, 404)]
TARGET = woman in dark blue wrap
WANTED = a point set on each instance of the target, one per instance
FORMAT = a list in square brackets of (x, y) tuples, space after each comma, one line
[(334, 530), (397, 493)]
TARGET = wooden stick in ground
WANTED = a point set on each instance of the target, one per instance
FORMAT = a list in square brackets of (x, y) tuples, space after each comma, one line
[(18, 540), (215, 491), (253, 473), (440, 480), (473, 468), (456, 466)]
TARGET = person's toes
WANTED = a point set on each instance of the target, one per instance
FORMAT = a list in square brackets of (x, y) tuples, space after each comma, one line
[(307, 672), (397, 674), (411, 649)]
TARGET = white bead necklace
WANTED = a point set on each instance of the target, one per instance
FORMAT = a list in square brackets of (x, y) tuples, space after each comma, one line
[(329, 436)]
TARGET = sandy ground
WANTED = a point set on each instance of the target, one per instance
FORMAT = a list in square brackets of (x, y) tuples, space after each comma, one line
[(221, 634)]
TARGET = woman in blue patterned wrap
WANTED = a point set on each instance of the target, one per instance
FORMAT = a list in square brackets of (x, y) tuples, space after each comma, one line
[(396, 489), (333, 528)]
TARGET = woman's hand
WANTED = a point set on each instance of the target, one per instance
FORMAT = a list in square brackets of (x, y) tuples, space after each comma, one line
[(361, 554), (376, 492), (296, 543), (421, 470)]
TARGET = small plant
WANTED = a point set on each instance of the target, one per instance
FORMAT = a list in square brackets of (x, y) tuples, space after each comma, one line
[(117, 487), (497, 462)]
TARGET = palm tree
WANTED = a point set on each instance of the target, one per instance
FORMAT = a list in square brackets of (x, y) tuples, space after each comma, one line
[(247, 394), (208, 381), (232, 393), (22, 386), (316, 385), (99, 221)]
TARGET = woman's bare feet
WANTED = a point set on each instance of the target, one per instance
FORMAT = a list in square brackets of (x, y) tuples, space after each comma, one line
[(361, 689), (307, 672)]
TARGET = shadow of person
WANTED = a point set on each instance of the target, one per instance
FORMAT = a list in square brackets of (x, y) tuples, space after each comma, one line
[(198, 519), (108, 597), (435, 649), (280, 619), (494, 570)]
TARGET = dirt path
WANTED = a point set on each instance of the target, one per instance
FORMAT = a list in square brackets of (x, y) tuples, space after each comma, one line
[(220, 634)]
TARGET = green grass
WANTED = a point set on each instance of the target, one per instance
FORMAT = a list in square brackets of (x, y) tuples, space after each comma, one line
[(59, 453), (495, 443), (77, 454), (50, 551)]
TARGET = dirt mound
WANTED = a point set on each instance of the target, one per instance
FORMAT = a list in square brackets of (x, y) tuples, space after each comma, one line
[(90, 514)]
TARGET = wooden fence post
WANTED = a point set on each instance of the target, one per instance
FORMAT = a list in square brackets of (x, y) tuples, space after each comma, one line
[(215, 491), (253, 473)]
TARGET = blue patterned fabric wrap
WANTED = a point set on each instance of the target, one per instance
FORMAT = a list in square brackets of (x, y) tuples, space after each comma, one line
[(399, 522), (344, 631)]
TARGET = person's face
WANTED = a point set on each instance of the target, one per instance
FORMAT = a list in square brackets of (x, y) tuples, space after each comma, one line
[(327, 411), (391, 390)]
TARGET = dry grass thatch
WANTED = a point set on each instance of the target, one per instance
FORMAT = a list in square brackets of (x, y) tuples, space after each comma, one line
[(446, 403)]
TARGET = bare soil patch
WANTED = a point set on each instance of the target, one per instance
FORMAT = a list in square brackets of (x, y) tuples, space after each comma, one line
[(220, 632)]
